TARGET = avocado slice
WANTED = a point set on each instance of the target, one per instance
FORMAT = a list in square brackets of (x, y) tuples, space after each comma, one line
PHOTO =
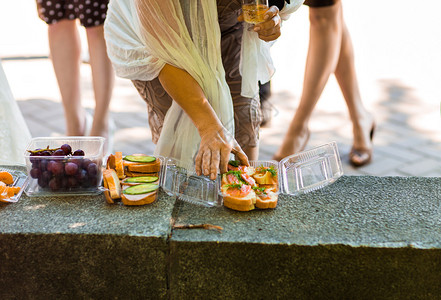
[(141, 179), (140, 159), (141, 189)]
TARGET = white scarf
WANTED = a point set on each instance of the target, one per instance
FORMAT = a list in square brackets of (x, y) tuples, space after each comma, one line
[(184, 34)]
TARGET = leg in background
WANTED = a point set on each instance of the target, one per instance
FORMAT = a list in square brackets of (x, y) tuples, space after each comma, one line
[(362, 120), (102, 77), (322, 58), (65, 50)]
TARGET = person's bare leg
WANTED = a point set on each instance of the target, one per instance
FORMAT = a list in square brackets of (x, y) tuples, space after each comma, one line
[(362, 120), (102, 77), (323, 53), (65, 50)]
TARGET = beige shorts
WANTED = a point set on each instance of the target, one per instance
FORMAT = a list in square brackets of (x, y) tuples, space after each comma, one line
[(247, 115)]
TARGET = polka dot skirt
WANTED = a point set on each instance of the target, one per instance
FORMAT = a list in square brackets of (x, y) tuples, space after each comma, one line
[(89, 12)]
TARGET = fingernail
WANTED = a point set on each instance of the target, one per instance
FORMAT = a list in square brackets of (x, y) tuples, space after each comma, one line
[(206, 172), (266, 17), (256, 28)]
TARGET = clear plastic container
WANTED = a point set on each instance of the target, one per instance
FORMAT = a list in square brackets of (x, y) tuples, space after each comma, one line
[(19, 175), (56, 175), (299, 173), (310, 170), (180, 180)]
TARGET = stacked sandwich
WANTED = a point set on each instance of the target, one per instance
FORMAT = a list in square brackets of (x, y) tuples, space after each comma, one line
[(133, 179), (245, 188)]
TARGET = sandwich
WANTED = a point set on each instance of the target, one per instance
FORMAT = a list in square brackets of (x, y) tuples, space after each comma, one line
[(139, 164), (245, 188), (239, 197), (112, 186), (133, 179), (140, 194)]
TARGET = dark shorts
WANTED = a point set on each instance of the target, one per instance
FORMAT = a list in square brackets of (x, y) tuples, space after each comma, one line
[(319, 3), (89, 12)]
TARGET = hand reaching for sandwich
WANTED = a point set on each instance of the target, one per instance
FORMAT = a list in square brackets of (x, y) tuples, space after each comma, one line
[(214, 153), (268, 30)]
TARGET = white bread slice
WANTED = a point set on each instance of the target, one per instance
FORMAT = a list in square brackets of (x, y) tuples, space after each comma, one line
[(119, 167), (141, 199), (265, 178), (112, 184), (235, 206), (270, 187), (111, 162), (271, 202), (248, 200)]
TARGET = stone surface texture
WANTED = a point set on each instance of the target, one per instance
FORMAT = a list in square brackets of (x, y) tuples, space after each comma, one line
[(362, 237)]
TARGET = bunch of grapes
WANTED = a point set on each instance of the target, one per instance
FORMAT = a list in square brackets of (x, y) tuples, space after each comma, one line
[(60, 169)]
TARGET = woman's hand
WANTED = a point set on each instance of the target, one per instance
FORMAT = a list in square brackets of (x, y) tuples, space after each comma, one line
[(268, 30), (214, 152)]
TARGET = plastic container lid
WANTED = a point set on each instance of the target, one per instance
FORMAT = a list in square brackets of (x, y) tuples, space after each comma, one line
[(310, 170)]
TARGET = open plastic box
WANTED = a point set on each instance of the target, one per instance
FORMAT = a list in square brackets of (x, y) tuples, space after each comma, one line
[(18, 172), (87, 179), (299, 173)]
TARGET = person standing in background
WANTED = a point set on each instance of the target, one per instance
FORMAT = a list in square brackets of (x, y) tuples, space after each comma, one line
[(65, 52), (330, 51)]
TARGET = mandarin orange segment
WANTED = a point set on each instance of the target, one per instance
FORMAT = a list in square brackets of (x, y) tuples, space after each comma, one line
[(6, 177)]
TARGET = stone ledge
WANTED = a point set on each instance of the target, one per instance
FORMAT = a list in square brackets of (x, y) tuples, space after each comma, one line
[(362, 237)]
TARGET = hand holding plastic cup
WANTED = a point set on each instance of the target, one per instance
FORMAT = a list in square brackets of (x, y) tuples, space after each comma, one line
[(254, 10)]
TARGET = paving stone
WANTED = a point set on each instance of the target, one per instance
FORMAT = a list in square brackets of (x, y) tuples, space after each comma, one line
[(419, 168)]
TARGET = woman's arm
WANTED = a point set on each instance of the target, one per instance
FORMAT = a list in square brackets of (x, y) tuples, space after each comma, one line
[(214, 150)]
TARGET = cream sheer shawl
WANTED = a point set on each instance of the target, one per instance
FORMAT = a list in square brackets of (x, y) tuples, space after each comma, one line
[(143, 35), (14, 133)]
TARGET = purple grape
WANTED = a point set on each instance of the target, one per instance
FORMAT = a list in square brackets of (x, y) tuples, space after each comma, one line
[(67, 149), (43, 165), (92, 169), (50, 165), (45, 153), (35, 173), (35, 163), (54, 184), (42, 182), (58, 152), (77, 161), (33, 158), (71, 168), (82, 176), (72, 182), (57, 168), (64, 182), (78, 152), (86, 163)]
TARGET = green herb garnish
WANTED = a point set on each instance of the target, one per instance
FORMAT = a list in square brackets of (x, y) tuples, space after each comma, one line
[(271, 169), (238, 175), (233, 186), (234, 163), (259, 189)]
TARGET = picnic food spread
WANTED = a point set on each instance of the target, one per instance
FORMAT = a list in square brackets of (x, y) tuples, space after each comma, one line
[(245, 188), (132, 179)]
